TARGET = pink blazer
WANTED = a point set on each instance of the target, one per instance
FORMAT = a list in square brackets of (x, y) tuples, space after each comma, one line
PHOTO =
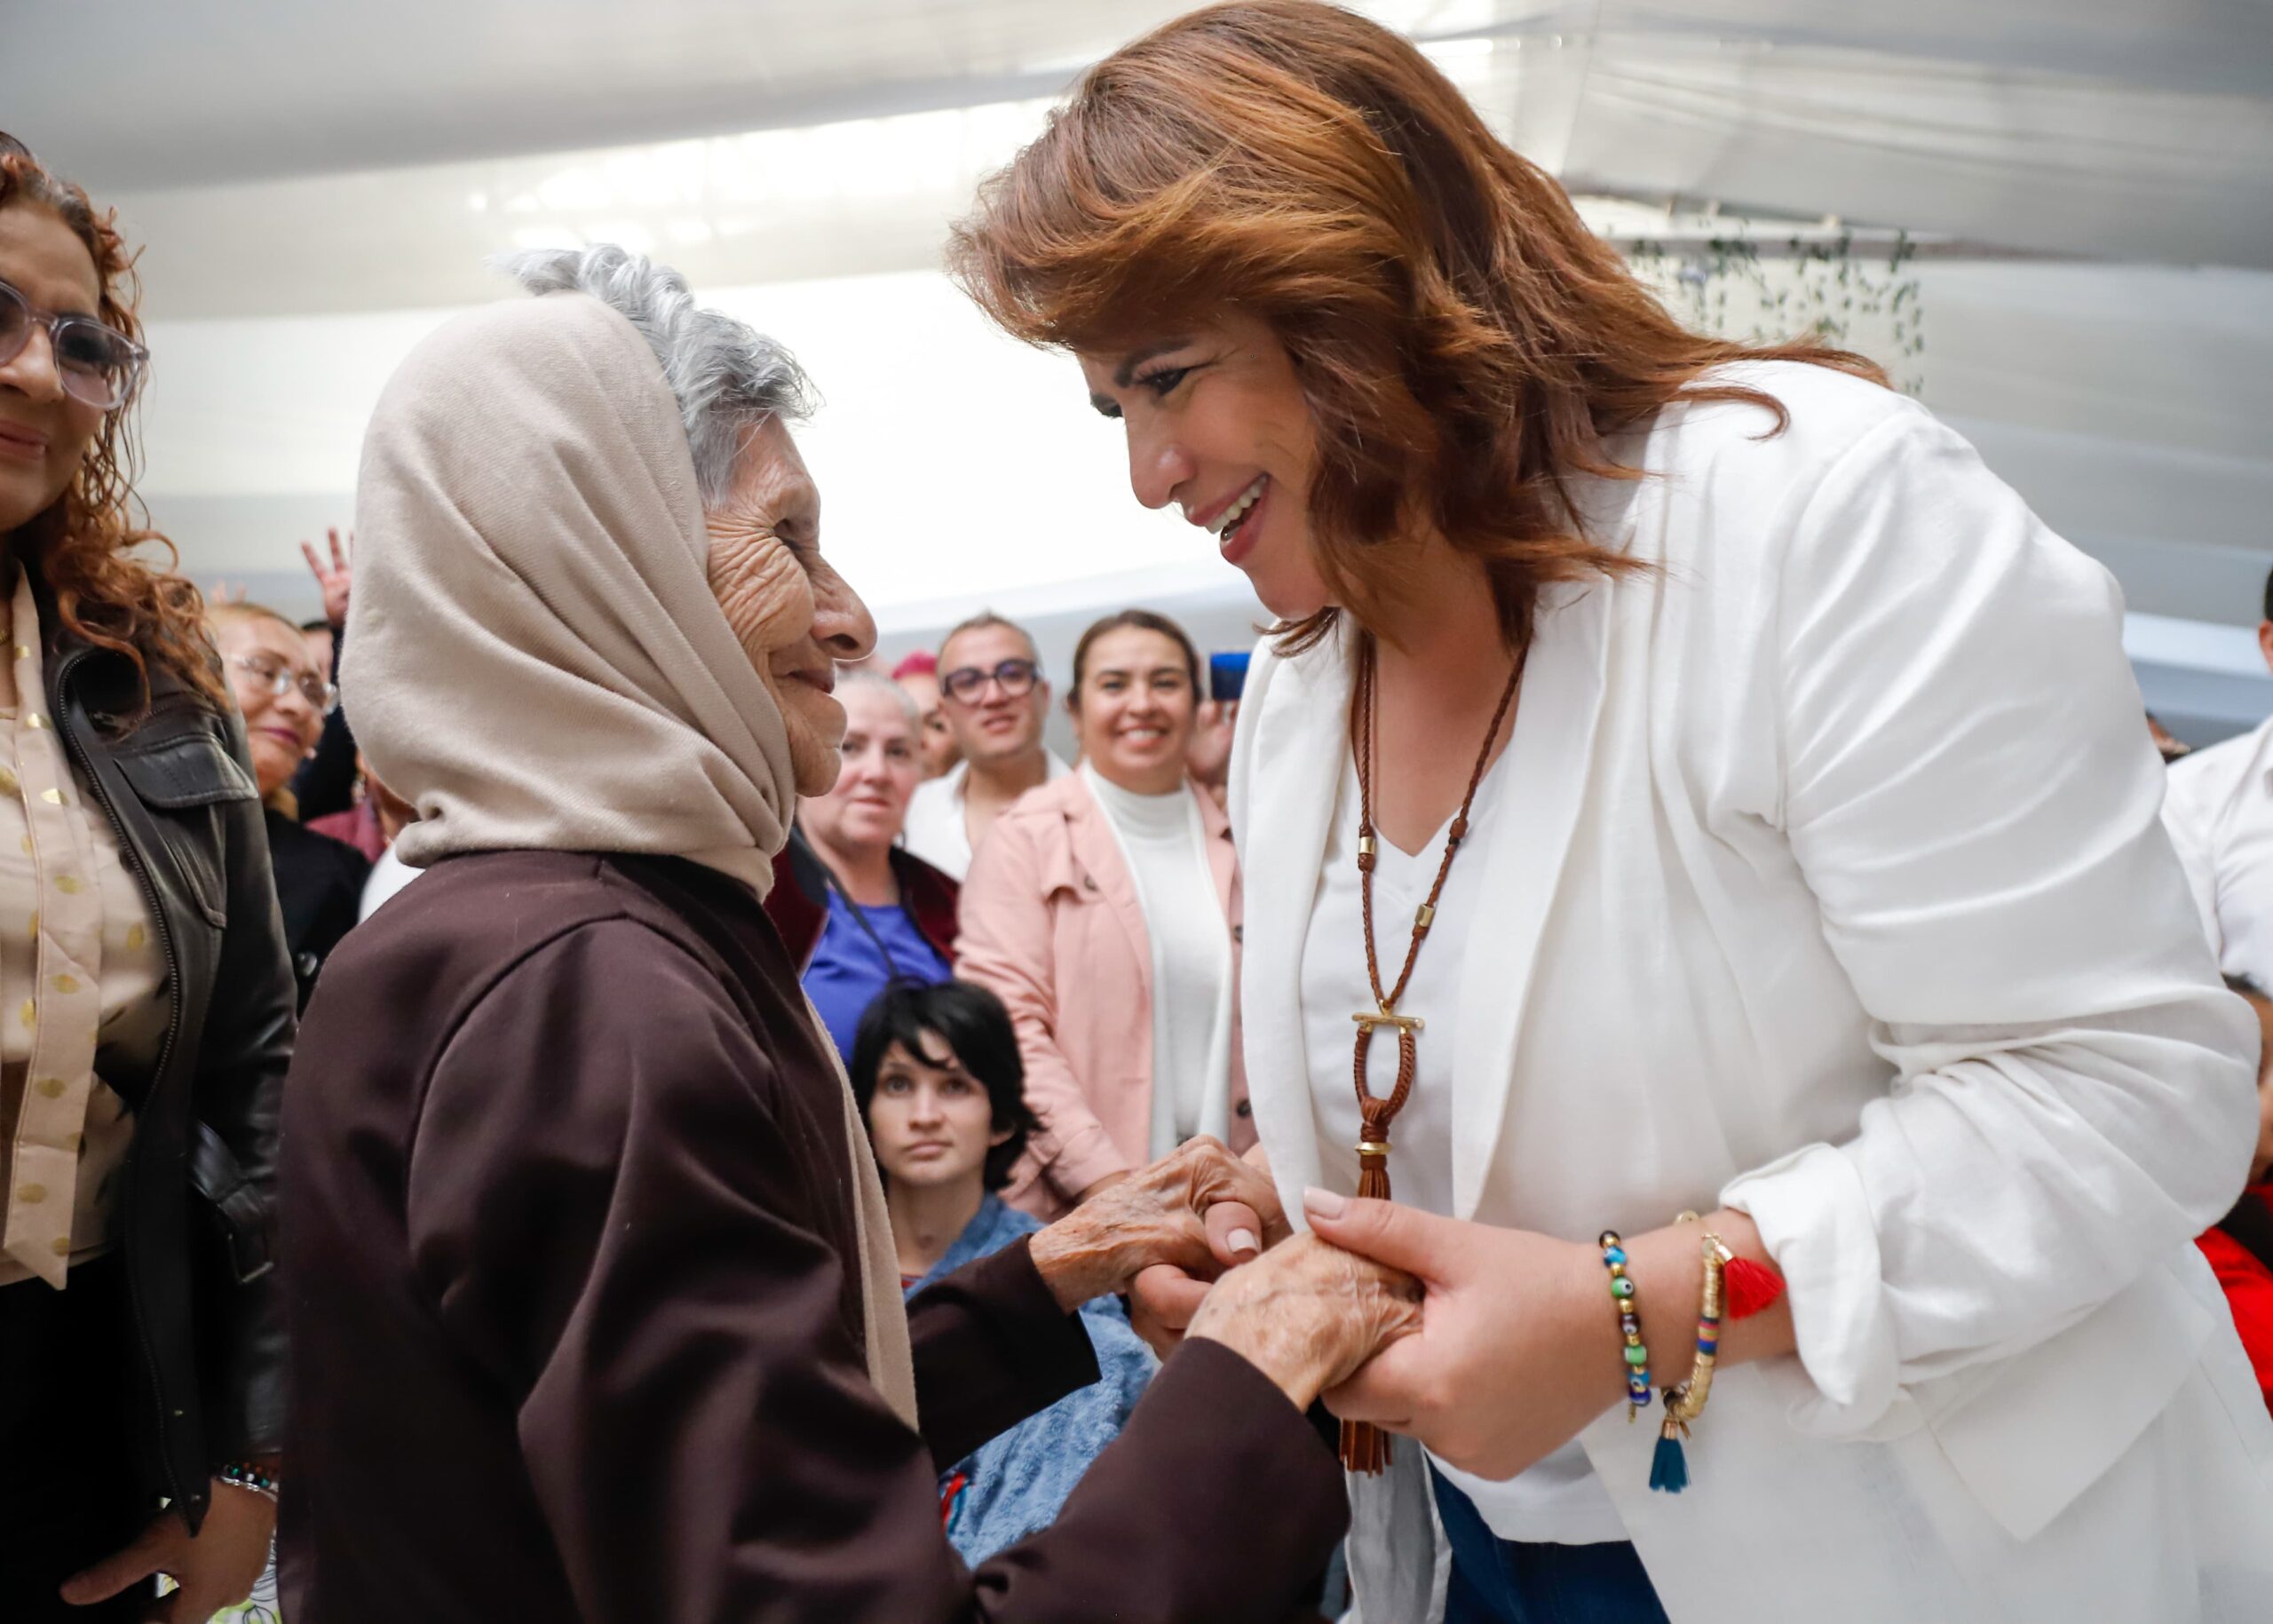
[(1051, 924)]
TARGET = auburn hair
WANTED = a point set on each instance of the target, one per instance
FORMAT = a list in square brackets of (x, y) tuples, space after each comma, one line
[(81, 545), (1465, 344)]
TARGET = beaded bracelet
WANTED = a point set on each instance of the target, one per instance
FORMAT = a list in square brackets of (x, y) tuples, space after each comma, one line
[(1629, 1321), (243, 1475), (1685, 1402)]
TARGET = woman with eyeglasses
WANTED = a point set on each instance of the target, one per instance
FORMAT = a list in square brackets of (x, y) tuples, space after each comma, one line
[(1684, 781), (1103, 911), (284, 698), (147, 999)]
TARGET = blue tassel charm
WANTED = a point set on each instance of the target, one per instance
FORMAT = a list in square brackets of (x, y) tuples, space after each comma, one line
[(1669, 1466)]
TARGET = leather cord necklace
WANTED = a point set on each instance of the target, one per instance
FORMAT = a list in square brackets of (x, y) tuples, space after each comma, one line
[(1365, 1447)]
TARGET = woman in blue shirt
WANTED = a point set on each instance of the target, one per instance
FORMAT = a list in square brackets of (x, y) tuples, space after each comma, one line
[(858, 912)]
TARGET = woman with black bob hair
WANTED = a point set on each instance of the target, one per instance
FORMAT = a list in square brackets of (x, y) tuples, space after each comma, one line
[(936, 1073)]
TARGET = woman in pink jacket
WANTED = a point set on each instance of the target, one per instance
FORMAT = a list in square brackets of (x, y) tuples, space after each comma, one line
[(1104, 911)]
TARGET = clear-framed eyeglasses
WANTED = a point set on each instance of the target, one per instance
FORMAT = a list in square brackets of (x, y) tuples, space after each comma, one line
[(282, 680), (99, 366)]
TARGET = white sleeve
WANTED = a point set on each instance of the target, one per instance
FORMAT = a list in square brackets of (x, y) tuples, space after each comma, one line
[(1970, 793)]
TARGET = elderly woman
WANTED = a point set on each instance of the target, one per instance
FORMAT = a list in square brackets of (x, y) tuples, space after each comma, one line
[(600, 1313), (283, 696), (1684, 778), (857, 910)]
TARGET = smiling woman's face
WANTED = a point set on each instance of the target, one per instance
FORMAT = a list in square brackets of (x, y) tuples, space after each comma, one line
[(796, 617), (281, 728), (44, 432), (882, 764), (1216, 424)]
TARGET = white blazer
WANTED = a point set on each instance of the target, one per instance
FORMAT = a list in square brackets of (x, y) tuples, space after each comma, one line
[(1830, 884)]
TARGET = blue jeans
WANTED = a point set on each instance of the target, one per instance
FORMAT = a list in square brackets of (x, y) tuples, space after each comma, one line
[(1510, 1581)]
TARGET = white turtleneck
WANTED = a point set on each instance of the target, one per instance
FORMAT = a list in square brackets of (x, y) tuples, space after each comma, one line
[(1166, 845)]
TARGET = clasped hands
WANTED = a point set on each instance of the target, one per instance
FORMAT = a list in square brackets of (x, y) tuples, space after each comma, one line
[(1305, 1314), (1493, 1347)]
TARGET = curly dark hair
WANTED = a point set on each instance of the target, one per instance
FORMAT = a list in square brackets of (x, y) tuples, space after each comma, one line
[(82, 546)]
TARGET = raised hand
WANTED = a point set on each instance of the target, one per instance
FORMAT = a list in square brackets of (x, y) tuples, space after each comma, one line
[(338, 579), (1208, 756)]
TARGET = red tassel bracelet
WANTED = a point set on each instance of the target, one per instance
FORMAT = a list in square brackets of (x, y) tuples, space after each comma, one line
[(1751, 1286)]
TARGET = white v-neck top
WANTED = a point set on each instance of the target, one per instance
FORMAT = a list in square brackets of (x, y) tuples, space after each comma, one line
[(1560, 1500)]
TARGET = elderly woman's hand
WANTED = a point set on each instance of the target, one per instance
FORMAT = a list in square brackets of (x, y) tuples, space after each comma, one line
[(1308, 1314), (1188, 1211)]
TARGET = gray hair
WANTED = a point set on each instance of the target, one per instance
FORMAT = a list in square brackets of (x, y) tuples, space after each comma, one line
[(847, 681), (726, 376)]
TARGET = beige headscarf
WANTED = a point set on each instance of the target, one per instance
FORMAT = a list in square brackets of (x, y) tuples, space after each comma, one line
[(534, 657)]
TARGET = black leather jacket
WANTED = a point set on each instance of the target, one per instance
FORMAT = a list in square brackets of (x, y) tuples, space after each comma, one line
[(194, 1213)]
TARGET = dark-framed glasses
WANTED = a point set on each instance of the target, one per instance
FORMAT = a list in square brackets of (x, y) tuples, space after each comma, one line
[(97, 365), (1015, 678), (282, 680)]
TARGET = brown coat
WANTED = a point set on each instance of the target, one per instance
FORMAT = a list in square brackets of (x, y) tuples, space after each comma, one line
[(565, 1202)]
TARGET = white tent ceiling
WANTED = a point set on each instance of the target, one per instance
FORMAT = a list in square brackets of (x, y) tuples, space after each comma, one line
[(2137, 128)]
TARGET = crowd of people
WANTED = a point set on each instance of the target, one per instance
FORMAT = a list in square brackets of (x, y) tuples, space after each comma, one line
[(597, 1099)]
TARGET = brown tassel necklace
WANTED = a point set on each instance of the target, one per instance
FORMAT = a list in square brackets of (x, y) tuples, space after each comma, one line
[(1365, 1447)]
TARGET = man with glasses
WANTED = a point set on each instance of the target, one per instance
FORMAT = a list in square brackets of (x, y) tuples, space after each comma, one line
[(992, 689)]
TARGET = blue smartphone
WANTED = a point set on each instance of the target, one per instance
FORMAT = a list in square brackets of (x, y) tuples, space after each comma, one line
[(1227, 676)]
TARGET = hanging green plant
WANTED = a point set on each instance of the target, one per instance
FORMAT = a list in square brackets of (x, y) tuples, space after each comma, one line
[(1861, 298)]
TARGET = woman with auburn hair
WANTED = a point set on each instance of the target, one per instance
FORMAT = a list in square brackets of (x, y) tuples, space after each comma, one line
[(149, 1001), (1683, 777)]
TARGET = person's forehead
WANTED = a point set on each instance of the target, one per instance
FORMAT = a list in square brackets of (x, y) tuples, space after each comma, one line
[(869, 711), (1135, 649), (247, 632), (770, 471), (986, 646), (936, 1055), (45, 259)]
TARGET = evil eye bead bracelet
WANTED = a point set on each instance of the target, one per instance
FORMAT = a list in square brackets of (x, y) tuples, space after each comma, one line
[(1629, 1324)]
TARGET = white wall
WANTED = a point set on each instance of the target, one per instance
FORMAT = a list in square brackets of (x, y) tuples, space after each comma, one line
[(953, 462)]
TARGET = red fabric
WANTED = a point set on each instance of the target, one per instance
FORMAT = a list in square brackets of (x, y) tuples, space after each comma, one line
[(2248, 1286), (798, 903)]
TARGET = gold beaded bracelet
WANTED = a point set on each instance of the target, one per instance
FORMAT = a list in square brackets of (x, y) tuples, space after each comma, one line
[(1686, 1401)]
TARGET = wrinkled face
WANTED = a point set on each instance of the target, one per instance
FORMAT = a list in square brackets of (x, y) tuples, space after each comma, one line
[(877, 779), (44, 433), (931, 1119), (994, 725), (1134, 710), (1216, 424), (281, 728), (795, 617), (940, 749)]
